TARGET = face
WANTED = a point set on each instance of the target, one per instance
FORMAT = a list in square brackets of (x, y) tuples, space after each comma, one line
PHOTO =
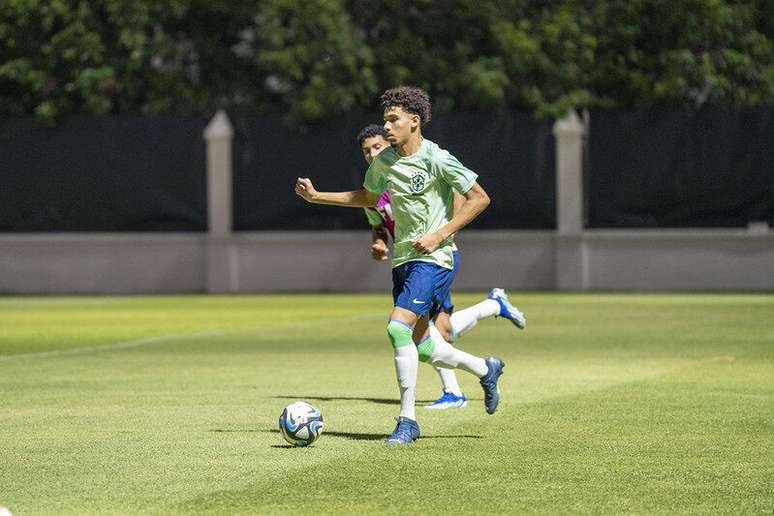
[(399, 125), (372, 146)]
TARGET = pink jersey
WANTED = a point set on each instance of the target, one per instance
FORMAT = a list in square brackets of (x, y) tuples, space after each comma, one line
[(384, 209)]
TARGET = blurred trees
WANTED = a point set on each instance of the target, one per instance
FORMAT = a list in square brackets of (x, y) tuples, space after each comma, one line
[(319, 58)]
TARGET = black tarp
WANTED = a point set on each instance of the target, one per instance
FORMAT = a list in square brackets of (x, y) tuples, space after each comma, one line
[(709, 168), (120, 173), (512, 153)]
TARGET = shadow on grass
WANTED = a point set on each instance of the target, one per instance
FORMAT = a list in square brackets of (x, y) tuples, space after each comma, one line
[(344, 435), (381, 401), (381, 437)]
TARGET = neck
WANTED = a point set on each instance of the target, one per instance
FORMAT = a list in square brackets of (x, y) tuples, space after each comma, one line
[(411, 146)]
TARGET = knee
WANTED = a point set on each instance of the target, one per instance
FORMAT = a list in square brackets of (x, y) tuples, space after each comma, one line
[(425, 349), (399, 334)]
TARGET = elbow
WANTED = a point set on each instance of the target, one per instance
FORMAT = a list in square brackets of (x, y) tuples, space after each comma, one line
[(484, 201)]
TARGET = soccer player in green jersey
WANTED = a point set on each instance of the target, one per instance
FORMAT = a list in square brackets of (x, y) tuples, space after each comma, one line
[(420, 176), (447, 324)]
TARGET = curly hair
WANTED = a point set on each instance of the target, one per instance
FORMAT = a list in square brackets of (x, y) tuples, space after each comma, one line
[(370, 131), (409, 98)]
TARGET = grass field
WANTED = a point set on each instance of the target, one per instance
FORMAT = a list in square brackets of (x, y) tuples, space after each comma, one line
[(168, 405)]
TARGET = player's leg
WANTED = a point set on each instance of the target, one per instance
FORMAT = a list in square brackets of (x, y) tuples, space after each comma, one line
[(464, 320), (442, 354), (442, 321), (408, 287), (496, 304), (451, 396), (400, 330)]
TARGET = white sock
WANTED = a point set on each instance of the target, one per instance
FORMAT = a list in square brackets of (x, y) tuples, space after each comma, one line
[(464, 320), (448, 376), (406, 360), (447, 356), (449, 381)]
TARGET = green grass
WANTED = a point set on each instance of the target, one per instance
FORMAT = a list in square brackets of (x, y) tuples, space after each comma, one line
[(168, 405)]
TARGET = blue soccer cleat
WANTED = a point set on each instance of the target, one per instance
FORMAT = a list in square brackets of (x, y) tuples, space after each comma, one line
[(447, 401), (405, 432), (489, 383), (507, 310)]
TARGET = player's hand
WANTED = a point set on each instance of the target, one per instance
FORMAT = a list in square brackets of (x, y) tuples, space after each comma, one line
[(379, 251), (305, 189), (427, 243)]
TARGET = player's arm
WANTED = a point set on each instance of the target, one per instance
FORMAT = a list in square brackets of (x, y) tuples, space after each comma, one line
[(380, 238), (476, 201), (459, 200), (354, 199)]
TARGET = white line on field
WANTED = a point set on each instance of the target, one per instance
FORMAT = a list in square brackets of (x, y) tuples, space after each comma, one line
[(149, 341)]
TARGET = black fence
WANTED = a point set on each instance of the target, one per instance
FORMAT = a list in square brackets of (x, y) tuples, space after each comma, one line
[(656, 169), (512, 153), (103, 174), (643, 169)]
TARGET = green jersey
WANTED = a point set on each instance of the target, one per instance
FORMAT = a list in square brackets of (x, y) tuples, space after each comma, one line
[(421, 195)]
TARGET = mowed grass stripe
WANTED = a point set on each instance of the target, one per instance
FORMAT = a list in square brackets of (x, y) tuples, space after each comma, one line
[(160, 339), (47, 324)]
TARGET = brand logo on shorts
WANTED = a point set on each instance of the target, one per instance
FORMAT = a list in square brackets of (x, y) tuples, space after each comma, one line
[(418, 181), (417, 301)]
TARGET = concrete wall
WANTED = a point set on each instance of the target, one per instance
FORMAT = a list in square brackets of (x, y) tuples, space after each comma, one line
[(101, 263), (340, 261), (679, 260)]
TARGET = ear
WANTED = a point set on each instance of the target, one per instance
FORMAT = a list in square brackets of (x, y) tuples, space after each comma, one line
[(415, 120)]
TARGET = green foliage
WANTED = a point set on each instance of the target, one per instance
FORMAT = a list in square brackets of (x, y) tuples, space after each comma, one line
[(321, 58), (708, 52), (310, 58)]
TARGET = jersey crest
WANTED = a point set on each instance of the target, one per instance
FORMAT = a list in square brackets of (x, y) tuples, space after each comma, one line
[(418, 181)]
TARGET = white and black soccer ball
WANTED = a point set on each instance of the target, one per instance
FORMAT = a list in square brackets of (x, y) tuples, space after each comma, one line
[(301, 423)]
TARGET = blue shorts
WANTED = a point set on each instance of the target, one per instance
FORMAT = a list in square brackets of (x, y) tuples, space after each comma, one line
[(447, 305), (423, 287)]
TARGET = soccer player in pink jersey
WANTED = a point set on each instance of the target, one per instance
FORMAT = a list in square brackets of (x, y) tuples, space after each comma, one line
[(448, 325)]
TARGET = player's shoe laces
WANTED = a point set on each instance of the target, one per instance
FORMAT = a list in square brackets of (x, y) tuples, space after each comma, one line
[(507, 310), (405, 432), (448, 400), (489, 383)]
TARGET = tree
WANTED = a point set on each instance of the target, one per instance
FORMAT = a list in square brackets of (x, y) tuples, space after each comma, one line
[(309, 58), (320, 58)]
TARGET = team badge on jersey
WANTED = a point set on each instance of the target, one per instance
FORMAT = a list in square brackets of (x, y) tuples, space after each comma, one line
[(418, 181)]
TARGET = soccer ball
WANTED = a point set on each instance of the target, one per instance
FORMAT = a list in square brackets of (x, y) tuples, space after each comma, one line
[(301, 423)]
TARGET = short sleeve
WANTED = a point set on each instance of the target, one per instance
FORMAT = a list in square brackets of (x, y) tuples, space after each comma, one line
[(373, 217), (375, 180), (455, 173)]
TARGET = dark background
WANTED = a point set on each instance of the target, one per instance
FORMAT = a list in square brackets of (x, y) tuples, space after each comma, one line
[(124, 173), (645, 169), (708, 168)]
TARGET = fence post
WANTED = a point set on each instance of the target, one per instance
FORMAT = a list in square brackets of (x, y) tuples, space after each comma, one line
[(571, 260), (220, 270)]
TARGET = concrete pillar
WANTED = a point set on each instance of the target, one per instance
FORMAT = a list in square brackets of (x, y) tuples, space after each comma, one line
[(571, 263), (221, 269)]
